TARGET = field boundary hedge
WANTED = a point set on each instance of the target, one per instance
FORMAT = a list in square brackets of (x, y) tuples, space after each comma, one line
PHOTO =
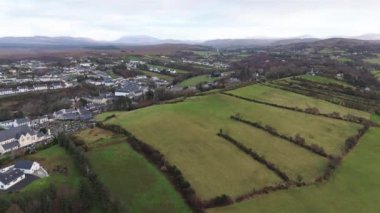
[(297, 140), (271, 166), (173, 174), (310, 111)]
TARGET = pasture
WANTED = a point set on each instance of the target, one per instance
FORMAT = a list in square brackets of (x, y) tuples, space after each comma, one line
[(185, 133), (354, 187), (325, 80), (377, 74), (131, 179), (196, 80), (281, 97), (158, 75), (375, 60)]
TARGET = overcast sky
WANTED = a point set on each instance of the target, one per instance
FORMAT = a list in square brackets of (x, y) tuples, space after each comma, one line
[(189, 19)]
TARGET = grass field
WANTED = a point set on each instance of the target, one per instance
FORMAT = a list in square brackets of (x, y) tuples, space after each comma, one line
[(377, 74), (344, 59), (373, 60), (196, 80), (353, 188), (129, 176), (281, 97), (49, 159), (186, 134), (158, 75), (279, 152), (325, 80)]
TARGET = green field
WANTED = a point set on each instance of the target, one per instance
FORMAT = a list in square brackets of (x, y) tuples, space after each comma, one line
[(373, 60), (279, 152), (138, 185), (325, 80), (158, 75), (186, 134), (344, 59), (281, 97), (196, 80), (354, 187), (377, 74), (49, 159)]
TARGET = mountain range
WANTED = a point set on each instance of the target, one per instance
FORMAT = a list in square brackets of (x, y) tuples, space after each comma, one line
[(44, 41)]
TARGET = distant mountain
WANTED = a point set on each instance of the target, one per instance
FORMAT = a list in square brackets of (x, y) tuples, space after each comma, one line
[(225, 43), (43, 41), (368, 37), (149, 40), (343, 43), (143, 40)]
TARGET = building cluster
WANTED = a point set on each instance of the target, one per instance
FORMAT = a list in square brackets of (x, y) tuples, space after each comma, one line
[(32, 88), (131, 89), (206, 63), (20, 137), (21, 170)]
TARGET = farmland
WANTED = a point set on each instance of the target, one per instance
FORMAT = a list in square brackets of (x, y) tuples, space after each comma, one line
[(375, 60), (377, 74), (196, 80), (325, 80), (186, 134), (136, 183), (281, 97), (158, 75), (353, 188)]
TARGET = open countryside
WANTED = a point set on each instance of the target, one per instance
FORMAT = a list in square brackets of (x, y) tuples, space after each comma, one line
[(161, 106)]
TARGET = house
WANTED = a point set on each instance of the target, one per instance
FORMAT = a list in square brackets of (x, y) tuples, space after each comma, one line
[(6, 91), (40, 87), (216, 74), (18, 137), (23, 89), (39, 120), (21, 122), (339, 76), (84, 114), (27, 166), (56, 86), (73, 114), (15, 123), (130, 89), (10, 177)]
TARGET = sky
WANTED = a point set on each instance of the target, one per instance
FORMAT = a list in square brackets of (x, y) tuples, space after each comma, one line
[(189, 19)]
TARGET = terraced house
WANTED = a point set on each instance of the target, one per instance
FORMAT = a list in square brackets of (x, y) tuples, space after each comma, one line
[(19, 137)]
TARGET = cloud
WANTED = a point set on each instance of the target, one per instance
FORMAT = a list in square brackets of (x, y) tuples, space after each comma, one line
[(188, 19)]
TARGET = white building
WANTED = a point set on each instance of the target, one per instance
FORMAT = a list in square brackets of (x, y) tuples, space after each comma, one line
[(27, 166), (10, 177), (15, 123), (18, 137), (40, 87)]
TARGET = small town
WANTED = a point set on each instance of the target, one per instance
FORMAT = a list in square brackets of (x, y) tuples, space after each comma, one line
[(182, 106)]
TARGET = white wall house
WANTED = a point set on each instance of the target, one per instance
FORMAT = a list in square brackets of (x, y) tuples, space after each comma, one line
[(27, 166), (10, 177), (18, 137)]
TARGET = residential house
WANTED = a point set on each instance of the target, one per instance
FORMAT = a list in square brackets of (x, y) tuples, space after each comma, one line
[(18, 137), (40, 87), (27, 166), (6, 91), (130, 89), (56, 85), (23, 89), (15, 123), (10, 177)]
